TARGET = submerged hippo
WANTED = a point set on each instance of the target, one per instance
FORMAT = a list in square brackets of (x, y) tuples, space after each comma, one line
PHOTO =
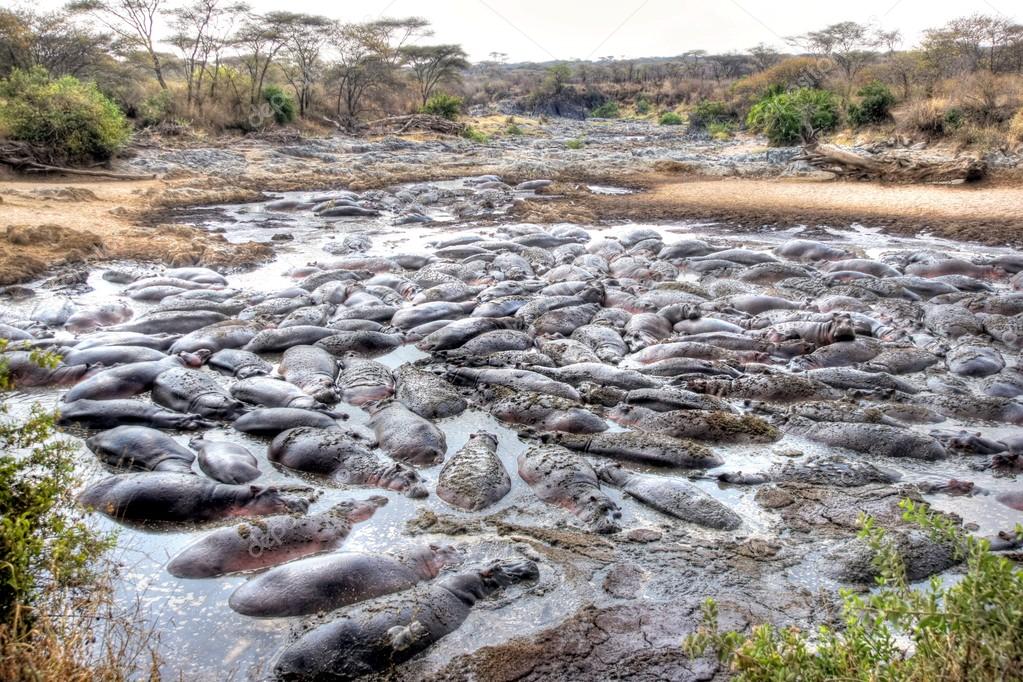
[(107, 414), (395, 629), (271, 541), (174, 497), (269, 421), (404, 435), (142, 448), (225, 461), (562, 478), (24, 370), (673, 496), (474, 478), (656, 449), (326, 583), (128, 380), (313, 370), (190, 390)]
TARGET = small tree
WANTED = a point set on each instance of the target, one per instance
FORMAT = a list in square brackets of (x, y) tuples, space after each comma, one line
[(443, 104), (433, 65), (789, 118), (875, 103), (133, 21)]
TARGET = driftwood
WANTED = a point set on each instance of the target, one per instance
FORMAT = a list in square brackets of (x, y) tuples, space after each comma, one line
[(403, 124), (891, 166), (27, 159)]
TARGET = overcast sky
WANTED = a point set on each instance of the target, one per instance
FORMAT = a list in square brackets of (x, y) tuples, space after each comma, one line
[(541, 30)]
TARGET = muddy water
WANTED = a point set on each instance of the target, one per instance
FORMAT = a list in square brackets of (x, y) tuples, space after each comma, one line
[(201, 638)]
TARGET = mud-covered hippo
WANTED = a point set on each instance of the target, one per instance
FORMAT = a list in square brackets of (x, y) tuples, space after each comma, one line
[(173, 497), (313, 370), (125, 381), (24, 370), (396, 628), (654, 449), (190, 390), (563, 478), (239, 363), (364, 381), (269, 421), (879, 440), (713, 426), (427, 394), (225, 462), (271, 541), (326, 583), (474, 478), (543, 412), (404, 435), (141, 448), (517, 379), (673, 496), (363, 342), (107, 414)]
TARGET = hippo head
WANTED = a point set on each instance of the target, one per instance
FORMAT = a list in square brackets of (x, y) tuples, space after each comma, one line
[(504, 572), (624, 414), (613, 474), (841, 328), (484, 435), (428, 560), (357, 511), (261, 501), (404, 480), (196, 358)]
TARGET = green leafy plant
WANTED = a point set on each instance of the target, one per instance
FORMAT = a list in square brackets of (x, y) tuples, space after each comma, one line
[(875, 104), (670, 118), (721, 130), (66, 119), (708, 112), (966, 630), (789, 118), (443, 105), (476, 135), (514, 129), (577, 143), (953, 120), (643, 106), (281, 104), (608, 109)]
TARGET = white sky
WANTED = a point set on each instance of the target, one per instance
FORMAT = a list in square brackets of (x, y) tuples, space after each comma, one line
[(541, 30)]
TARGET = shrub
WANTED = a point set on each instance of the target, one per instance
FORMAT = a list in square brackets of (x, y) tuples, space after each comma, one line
[(643, 106), (874, 107), (708, 112), (514, 129), (476, 135), (792, 117), (721, 130), (281, 104), (443, 105), (577, 143), (670, 118), (1016, 127), (608, 109), (967, 630), (68, 120), (788, 74), (156, 109)]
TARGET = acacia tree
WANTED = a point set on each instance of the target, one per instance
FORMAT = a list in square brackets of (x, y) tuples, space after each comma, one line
[(303, 49), (433, 65), (261, 38), (50, 40), (848, 44), (132, 21), (201, 30), (763, 56)]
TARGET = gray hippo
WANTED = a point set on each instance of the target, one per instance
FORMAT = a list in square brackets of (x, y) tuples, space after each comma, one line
[(313, 370), (239, 363), (427, 394), (267, 392), (326, 583), (23, 369), (363, 342), (654, 449), (542, 412), (225, 462), (364, 381), (271, 541), (458, 332), (474, 478), (714, 426), (128, 380), (107, 414), (879, 440), (404, 435), (173, 497), (142, 448), (395, 629), (269, 421), (672, 496), (111, 355), (189, 390), (560, 477)]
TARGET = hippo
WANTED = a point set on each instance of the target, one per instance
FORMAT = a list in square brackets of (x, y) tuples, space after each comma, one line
[(878, 440), (174, 497), (171, 322), (970, 358), (313, 370), (269, 421), (240, 364), (833, 470), (950, 266), (267, 392), (820, 333), (653, 449), (458, 332), (109, 356), (670, 398), (109, 338), (23, 369), (560, 477), (278, 340), (1013, 500), (973, 406), (713, 426), (542, 412), (906, 360), (672, 496), (99, 316), (487, 344), (566, 351), (190, 390), (364, 381), (604, 341), (847, 377), (404, 435), (326, 583), (363, 342), (427, 394), (336, 455), (867, 267), (809, 250), (563, 321), (474, 478), (598, 373), (107, 414), (141, 448), (270, 541), (197, 274), (228, 334), (951, 321), (840, 354), (225, 462), (784, 388), (128, 380), (412, 316), (521, 380), (394, 629)]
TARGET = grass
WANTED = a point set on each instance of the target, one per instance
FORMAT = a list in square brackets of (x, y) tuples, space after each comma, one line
[(969, 630)]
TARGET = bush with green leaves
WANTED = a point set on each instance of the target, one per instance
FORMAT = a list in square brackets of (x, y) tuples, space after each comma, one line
[(708, 112), (281, 104), (970, 629), (643, 106), (608, 109), (443, 105), (577, 143), (876, 101), (67, 120), (476, 135), (799, 116), (721, 130), (670, 118)]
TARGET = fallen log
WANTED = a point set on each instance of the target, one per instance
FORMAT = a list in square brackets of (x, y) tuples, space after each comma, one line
[(891, 166), (26, 159), (423, 122)]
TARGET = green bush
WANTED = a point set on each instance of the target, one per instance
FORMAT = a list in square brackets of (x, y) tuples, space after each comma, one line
[(789, 118), (156, 109), (953, 120), (643, 106), (670, 118), (708, 112), (966, 630), (281, 104), (69, 120), (721, 130), (875, 104), (444, 105), (476, 135), (577, 143), (514, 129), (608, 109)]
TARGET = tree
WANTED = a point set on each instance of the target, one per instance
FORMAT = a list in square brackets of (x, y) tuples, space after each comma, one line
[(201, 30), (303, 49), (433, 65), (557, 78), (51, 40), (763, 56), (849, 44), (967, 44), (358, 67), (263, 36), (133, 21)]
